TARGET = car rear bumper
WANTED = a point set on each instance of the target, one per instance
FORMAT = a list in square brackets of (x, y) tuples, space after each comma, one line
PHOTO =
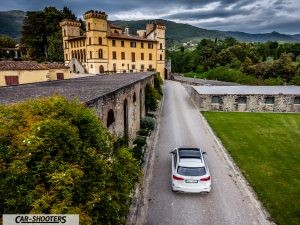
[(191, 189)]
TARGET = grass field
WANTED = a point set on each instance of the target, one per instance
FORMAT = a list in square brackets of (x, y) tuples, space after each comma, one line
[(266, 147)]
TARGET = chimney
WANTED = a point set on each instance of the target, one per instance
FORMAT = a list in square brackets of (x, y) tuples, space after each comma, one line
[(127, 30)]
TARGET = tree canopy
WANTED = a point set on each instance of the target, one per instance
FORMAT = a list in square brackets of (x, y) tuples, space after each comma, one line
[(57, 157)]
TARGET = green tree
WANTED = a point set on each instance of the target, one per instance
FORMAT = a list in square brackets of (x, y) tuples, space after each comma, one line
[(57, 157)]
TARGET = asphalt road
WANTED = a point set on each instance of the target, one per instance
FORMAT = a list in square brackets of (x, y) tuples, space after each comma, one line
[(227, 203)]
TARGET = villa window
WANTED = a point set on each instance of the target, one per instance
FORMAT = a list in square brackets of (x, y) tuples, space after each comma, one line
[(150, 45), (122, 43), (297, 100), (269, 100), (216, 100), (114, 55), (142, 56), (123, 55), (150, 56), (142, 44), (133, 57), (133, 44), (89, 26), (160, 45), (90, 41), (242, 100), (100, 54), (142, 67), (113, 42), (91, 55), (160, 57), (100, 40), (115, 67)]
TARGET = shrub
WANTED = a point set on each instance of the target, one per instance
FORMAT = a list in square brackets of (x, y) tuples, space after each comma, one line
[(140, 141), (274, 81), (148, 123), (138, 154), (151, 97), (143, 132), (157, 85), (56, 156)]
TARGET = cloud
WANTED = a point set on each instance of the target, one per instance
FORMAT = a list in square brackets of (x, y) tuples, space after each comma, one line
[(237, 15)]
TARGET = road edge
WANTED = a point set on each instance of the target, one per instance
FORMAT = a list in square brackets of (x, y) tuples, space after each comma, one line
[(242, 183), (139, 204)]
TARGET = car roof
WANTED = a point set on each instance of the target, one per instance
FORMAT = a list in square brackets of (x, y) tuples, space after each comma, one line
[(190, 157)]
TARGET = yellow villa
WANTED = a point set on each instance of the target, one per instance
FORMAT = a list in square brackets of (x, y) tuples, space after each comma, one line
[(24, 72), (106, 48)]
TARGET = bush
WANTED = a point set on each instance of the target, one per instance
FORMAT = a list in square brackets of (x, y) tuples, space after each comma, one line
[(148, 123), (151, 97), (57, 157), (157, 85), (140, 141), (138, 154), (143, 132), (274, 81)]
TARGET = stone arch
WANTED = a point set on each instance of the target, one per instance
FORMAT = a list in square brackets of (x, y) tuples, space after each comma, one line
[(110, 118), (81, 55), (101, 69), (134, 97)]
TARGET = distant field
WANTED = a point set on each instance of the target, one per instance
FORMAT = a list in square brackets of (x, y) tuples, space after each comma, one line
[(266, 147)]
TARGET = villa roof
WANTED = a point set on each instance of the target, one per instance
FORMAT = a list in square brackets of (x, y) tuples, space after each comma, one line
[(74, 38), (247, 90), (129, 37), (29, 65)]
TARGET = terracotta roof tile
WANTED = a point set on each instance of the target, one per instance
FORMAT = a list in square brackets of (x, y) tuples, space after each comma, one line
[(29, 65)]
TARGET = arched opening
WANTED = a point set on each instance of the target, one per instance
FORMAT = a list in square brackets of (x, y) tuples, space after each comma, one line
[(65, 32), (141, 104), (125, 109), (100, 40), (166, 73), (100, 53), (89, 26), (134, 97), (110, 118), (81, 55), (84, 55), (101, 69), (78, 54), (72, 54)]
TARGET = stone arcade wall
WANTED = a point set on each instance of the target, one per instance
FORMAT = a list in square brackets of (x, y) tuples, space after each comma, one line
[(254, 102), (103, 93)]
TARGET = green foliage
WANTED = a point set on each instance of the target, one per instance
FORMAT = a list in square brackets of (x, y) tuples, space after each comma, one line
[(143, 132), (148, 123), (266, 148), (138, 154), (158, 85), (274, 81), (151, 98), (57, 157), (7, 42), (250, 62), (41, 33), (140, 141)]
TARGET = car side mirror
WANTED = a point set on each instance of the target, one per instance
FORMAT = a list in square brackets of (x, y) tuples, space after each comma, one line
[(172, 152), (204, 153)]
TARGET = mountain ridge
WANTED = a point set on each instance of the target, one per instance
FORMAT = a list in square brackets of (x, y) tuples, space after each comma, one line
[(11, 25)]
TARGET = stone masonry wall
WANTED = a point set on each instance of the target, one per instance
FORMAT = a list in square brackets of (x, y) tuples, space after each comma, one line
[(115, 101), (254, 103)]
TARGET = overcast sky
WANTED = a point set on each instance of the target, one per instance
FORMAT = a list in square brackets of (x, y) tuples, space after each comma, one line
[(253, 16)]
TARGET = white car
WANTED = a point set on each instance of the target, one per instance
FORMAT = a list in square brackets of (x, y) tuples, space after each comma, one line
[(189, 171)]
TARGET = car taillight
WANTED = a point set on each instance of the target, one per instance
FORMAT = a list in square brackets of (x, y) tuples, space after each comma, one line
[(205, 178), (177, 178)]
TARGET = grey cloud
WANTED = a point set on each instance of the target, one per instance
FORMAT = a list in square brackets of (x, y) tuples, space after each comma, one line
[(237, 15)]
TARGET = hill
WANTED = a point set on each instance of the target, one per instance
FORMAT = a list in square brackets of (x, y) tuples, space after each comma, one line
[(11, 23)]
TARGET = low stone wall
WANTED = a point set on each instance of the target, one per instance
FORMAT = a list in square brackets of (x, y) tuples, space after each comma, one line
[(254, 103)]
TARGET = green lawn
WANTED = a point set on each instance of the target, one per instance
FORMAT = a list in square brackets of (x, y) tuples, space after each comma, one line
[(266, 147)]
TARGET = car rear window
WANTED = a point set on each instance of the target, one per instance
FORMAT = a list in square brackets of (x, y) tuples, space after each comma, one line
[(191, 171)]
